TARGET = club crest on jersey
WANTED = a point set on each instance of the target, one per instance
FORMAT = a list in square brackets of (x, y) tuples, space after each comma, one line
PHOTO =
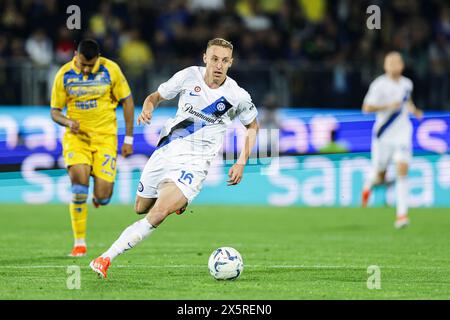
[(221, 106), (197, 89), (100, 76)]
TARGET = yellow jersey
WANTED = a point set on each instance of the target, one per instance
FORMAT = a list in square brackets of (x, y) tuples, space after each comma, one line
[(92, 99)]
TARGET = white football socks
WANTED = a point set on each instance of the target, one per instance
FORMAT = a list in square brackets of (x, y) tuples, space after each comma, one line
[(80, 242), (129, 238), (402, 196)]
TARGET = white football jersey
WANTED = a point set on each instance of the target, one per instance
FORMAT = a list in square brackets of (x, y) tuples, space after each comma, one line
[(198, 129), (393, 125)]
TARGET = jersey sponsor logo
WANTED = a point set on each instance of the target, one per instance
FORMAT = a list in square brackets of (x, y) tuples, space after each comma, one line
[(86, 91), (189, 108), (85, 105), (186, 127), (140, 187)]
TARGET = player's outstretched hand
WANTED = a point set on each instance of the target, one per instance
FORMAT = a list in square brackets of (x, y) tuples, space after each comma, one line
[(74, 126), (127, 149), (235, 174), (418, 114), (145, 117)]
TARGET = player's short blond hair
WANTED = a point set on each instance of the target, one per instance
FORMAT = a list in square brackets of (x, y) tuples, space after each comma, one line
[(220, 42)]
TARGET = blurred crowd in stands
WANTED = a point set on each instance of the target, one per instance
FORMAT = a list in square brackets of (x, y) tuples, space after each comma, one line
[(322, 34)]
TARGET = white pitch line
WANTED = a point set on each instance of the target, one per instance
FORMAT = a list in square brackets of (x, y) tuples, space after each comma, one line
[(204, 266)]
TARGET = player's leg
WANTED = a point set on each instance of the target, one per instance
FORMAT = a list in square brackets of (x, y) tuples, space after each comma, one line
[(79, 177), (402, 194), (380, 157), (143, 205), (104, 168), (170, 199), (102, 192)]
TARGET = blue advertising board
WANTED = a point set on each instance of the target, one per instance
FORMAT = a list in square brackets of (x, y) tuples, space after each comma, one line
[(30, 140)]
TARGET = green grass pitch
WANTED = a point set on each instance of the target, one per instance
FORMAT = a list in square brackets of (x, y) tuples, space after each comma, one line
[(289, 253)]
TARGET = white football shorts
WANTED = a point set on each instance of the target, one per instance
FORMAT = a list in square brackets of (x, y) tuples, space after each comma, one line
[(384, 151), (188, 177)]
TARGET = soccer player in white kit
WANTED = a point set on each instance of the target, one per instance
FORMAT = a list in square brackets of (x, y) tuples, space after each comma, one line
[(173, 176), (389, 96)]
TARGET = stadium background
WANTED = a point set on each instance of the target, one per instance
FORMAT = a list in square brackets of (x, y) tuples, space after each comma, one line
[(307, 65)]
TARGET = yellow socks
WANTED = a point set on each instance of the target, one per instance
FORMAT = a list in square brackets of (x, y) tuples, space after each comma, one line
[(78, 214)]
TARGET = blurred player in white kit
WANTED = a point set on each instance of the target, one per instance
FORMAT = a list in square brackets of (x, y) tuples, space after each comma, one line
[(389, 96), (209, 100)]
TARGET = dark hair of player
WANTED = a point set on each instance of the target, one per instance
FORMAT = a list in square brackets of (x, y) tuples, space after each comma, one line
[(89, 49)]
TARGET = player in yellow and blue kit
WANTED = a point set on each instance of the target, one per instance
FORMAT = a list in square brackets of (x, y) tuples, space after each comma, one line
[(90, 87)]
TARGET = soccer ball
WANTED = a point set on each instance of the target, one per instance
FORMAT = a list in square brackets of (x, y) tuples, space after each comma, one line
[(225, 263)]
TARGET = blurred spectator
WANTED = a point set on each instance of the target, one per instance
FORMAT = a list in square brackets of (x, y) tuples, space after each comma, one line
[(135, 53), (215, 5), (12, 20), (3, 48), (65, 46), (104, 21), (254, 17), (269, 117), (443, 23), (172, 18), (18, 49), (270, 122), (39, 47), (439, 55), (314, 10), (311, 42)]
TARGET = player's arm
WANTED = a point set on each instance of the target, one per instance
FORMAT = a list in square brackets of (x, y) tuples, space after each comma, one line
[(414, 110), (237, 170), (150, 104), (369, 108), (62, 120), (128, 114), (57, 103)]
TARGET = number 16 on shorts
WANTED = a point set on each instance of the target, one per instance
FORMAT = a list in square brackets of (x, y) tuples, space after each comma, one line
[(186, 177)]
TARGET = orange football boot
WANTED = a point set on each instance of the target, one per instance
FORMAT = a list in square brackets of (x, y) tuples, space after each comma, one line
[(78, 251), (365, 197), (100, 266), (401, 222)]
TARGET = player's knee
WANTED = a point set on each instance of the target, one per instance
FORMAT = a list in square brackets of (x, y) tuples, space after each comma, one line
[(79, 193), (139, 208)]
